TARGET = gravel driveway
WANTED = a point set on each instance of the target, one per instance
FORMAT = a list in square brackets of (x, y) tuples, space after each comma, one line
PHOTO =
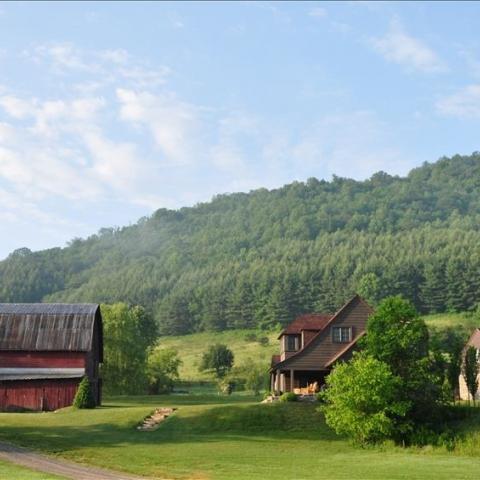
[(37, 461)]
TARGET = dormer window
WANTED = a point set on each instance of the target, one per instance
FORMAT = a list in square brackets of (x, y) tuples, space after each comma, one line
[(292, 343), (342, 334)]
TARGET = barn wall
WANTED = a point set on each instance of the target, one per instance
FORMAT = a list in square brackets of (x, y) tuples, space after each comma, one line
[(322, 349), (42, 359), (37, 394)]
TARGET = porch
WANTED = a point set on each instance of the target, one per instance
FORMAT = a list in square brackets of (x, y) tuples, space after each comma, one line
[(298, 381)]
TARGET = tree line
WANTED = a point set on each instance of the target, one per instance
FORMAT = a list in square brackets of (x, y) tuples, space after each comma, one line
[(259, 259)]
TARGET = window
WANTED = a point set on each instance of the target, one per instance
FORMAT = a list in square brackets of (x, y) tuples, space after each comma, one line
[(292, 343), (342, 334)]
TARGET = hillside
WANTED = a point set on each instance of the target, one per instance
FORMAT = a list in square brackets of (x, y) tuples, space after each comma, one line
[(258, 259)]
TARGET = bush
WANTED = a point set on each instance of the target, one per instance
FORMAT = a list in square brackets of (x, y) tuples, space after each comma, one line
[(362, 400), (289, 397), (84, 396), (162, 370), (226, 386), (250, 337)]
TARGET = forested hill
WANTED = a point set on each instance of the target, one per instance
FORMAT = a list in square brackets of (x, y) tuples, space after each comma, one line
[(260, 258)]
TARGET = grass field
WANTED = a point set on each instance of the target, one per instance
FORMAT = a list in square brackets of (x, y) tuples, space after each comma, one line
[(191, 347), (212, 437), (10, 471)]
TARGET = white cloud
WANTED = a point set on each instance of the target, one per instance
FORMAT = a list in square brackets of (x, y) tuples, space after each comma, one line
[(318, 12), (106, 66), (398, 46), (463, 104), (174, 124)]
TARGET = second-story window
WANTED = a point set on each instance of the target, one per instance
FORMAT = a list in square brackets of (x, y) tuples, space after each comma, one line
[(292, 343), (342, 334)]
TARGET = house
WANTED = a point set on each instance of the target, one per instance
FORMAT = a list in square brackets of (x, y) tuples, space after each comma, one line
[(45, 350), (473, 341), (312, 343)]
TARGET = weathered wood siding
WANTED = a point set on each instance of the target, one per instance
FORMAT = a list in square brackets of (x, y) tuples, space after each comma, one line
[(37, 394), (42, 359), (321, 349)]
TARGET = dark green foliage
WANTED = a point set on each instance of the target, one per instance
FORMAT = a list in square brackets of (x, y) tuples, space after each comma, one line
[(448, 344), (84, 396), (398, 337), (470, 371), (259, 259), (288, 397), (218, 358)]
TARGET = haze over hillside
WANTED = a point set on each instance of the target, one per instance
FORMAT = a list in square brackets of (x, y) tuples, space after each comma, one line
[(258, 259)]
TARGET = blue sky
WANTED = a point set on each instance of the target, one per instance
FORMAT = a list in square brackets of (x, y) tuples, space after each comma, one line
[(111, 110)]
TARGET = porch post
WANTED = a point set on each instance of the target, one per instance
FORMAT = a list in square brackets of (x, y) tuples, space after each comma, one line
[(272, 381), (277, 380), (292, 378)]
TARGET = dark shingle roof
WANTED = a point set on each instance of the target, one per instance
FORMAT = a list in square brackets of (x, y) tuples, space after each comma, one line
[(309, 321), (47, 327)]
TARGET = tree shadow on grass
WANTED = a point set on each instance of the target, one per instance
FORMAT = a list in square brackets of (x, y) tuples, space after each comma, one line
[(249, 423)]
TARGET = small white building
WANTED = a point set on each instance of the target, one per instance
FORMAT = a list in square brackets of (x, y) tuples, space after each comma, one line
[(473, 341)]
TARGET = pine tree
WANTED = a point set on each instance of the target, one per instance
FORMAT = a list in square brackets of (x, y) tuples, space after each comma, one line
[(84, 396)]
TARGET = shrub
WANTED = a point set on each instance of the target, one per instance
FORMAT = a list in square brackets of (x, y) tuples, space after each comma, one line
[(162, 369), (226, 386), (250, 337), (289, 397), (362, 400), (219, 359), (84, 396)]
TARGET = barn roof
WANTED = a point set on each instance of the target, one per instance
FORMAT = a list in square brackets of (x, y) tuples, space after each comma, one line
[(47, 326), (40, 373)]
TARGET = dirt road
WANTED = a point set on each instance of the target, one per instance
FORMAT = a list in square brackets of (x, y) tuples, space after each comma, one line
[(74, 471)]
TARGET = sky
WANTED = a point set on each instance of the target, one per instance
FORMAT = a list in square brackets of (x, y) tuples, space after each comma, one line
[(109, 111)]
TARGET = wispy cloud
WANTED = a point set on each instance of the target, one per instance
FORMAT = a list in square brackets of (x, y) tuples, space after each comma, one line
[(462, 104), (399, 47), (318, 12)]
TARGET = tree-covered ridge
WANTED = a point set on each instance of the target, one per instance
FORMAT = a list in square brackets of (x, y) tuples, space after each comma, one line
[(260, 258)]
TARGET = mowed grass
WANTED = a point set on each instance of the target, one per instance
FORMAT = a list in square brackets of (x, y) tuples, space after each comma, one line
[(14, 472), (212, 437), (191, 348)]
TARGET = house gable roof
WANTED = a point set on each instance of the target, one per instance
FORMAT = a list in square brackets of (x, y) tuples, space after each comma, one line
[(321, 334), (308, 321), (47, 326)]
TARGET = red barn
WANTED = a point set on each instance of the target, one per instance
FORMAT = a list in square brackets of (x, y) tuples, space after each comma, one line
[(45, 350)]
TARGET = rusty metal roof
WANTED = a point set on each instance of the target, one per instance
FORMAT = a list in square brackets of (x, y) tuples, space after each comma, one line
[(40, 373), (47, 327)]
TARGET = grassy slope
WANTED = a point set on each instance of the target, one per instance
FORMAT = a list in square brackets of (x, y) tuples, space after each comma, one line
[(9, 470), (191, 348), (217, 438)]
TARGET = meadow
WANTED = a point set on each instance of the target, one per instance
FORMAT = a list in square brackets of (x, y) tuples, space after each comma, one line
[(246, 346), (216, 437)]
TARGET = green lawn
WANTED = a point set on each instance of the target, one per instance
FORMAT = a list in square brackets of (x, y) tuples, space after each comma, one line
[(8, 470), (191, 347), (212, 437)]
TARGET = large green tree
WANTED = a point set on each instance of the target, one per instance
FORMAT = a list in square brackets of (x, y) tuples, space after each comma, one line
[(128, 332)]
